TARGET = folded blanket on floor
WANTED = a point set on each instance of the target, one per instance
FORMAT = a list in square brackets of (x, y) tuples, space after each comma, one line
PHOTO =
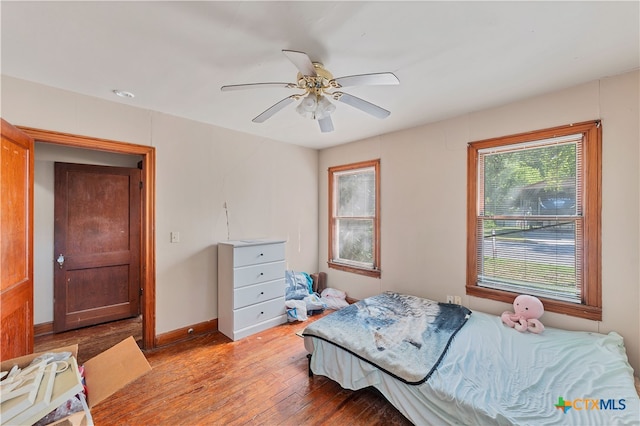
[(403, 335)]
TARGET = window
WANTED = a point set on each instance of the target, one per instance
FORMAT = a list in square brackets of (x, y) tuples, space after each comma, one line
[(354, 218), (533, 219)]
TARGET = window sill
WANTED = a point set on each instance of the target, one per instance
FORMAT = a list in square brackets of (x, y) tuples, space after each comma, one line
[(375, 273), (573, 309)]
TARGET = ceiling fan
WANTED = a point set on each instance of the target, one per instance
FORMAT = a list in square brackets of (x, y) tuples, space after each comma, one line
[(318, 84)]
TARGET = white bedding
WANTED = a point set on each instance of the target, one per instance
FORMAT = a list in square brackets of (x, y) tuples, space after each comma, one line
[(493, 374)]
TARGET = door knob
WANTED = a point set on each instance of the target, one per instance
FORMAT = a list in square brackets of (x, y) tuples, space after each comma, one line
[(60, 260)]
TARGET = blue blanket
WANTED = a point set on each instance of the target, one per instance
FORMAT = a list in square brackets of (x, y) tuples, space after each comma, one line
[(404, 336)]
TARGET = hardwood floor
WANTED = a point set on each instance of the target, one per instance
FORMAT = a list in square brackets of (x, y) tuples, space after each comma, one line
[(92, 340), (259, 380)]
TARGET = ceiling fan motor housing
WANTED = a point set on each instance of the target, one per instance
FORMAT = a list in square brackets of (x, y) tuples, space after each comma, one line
[(315, 84)]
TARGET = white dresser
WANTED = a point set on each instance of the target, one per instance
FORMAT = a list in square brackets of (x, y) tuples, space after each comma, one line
[(250, 286)]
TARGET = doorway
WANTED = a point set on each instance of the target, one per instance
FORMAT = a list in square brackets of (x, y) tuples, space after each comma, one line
[(147, 214), (96, 244)]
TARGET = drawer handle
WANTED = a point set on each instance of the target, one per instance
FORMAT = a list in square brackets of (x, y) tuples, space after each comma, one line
[(261, 313), (261, 273), (261, 293), (261, 254)]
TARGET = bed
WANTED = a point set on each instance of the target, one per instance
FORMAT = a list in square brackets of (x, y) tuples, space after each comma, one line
[(475, 370)]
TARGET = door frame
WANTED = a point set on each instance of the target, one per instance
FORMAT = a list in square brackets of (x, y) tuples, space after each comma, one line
[(147, 229)]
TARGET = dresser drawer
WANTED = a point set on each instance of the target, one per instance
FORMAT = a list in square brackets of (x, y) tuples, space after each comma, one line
[(254, 314), (258, 273), (262, 253), (252, 294)]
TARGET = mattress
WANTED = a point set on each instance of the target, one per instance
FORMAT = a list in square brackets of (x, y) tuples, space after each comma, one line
[(493, 374)]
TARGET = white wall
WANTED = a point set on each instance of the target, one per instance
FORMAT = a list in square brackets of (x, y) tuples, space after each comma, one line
[(423, 196), (270, 189)]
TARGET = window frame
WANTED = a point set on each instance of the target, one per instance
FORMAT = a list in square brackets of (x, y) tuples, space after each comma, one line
[(375, 271), (591, 186)]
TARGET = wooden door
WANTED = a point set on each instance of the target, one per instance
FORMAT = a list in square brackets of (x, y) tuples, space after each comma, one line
[(16, 243), (96, 245)]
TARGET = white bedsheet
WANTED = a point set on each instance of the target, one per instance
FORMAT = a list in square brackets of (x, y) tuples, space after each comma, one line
[(493, 374)]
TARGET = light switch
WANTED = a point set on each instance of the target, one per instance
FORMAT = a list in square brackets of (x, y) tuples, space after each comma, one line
[(175, 237)]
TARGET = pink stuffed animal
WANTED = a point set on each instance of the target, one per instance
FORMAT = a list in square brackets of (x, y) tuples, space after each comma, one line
[(528, 310)]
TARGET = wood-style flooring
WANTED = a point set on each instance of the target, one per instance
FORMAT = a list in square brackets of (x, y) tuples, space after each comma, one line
[(92, 340), (210, 380)]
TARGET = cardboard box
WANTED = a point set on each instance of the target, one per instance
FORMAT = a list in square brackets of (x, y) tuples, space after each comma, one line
[(104, 374)]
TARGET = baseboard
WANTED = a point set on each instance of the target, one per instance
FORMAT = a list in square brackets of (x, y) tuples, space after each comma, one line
[(161, 339), (185, 333), (43, 328)]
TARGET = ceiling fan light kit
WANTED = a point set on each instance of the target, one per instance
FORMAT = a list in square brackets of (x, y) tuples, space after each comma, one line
[(315, 107), (317, 84)]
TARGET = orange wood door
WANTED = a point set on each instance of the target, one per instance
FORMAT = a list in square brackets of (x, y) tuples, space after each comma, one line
[(96, 245), (16, 246)]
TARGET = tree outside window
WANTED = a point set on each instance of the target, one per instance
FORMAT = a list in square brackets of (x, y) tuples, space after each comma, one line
[(534, 218), (354, 228)]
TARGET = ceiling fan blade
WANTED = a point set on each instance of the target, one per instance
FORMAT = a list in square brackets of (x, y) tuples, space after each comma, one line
[(301, 61), (256, 86), (269, 112), (382, 78), (361, 104), (326, 125)]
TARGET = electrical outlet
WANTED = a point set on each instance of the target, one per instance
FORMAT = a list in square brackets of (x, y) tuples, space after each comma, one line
[(449, 299), (457, 300)]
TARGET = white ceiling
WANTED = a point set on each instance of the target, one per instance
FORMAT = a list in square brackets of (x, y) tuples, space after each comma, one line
[(451, 57)]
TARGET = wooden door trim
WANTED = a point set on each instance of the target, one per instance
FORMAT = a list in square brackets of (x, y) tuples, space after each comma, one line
[(148, 253)]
